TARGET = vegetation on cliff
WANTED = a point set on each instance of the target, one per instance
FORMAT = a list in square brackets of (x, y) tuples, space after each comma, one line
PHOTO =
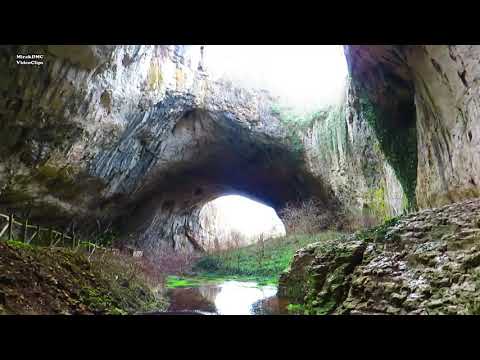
[(298, 123), (398, 142)]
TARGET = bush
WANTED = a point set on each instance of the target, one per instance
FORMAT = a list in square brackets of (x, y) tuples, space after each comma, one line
[(208, 263), (307, 217), (168, 261)]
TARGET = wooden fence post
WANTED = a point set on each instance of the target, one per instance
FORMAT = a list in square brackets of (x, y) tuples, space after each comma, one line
[(35, 234), (53, 237), (25, 231), (10, 227)]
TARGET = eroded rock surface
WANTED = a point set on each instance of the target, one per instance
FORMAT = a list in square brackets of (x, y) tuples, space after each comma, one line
[(424, 263)]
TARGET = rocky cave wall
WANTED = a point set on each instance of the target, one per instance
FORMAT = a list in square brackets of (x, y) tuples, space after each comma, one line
[(137, 136), (439, 85), (343, 150), (142, 137)]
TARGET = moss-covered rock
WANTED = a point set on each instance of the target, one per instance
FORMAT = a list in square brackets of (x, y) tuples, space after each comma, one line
[(319, 275), (423, 263)]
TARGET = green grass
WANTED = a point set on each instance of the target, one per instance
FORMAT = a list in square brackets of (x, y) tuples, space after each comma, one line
[(206, 278), (17, 244), (248, 264)]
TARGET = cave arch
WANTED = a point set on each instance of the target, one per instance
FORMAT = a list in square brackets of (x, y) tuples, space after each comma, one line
[(195, 155)]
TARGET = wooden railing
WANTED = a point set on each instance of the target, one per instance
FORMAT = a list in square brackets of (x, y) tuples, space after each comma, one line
[(54, 237)]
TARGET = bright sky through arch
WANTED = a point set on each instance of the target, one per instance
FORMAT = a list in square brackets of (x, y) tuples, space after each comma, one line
[(247, 216), (306, 76)]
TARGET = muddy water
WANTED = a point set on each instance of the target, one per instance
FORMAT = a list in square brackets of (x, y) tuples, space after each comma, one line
[(227, 298)]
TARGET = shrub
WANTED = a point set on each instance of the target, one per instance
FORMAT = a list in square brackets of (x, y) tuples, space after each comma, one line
[(208, 263), (168, 261), (305, 217)]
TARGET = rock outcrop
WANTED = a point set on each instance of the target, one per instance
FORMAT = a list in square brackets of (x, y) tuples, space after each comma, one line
[(424, 263)]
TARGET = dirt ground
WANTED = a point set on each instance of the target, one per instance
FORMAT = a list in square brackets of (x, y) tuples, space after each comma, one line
[(39, 280)]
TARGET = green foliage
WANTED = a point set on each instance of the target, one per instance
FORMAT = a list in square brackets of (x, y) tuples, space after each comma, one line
[(106, 239), (176, 282), (95, 299), (296, 309), (213, 278), (332, 131), (377, 203), (312, 308), (297, 124), (244, 262), (17, 244), (209, 263)]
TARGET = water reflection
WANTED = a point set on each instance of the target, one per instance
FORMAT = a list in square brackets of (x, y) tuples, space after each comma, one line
[(228, 298)]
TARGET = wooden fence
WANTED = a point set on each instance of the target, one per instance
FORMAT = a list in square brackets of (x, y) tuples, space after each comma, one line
[(53, 237)]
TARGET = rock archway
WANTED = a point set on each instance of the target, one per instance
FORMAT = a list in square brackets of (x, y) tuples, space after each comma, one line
[(176, 157), (138, 136), (141, 136)]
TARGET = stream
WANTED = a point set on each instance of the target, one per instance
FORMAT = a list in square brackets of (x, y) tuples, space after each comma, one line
[(226, 298)]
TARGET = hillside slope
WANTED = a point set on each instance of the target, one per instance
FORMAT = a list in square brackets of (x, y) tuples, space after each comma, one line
[(35, 280)]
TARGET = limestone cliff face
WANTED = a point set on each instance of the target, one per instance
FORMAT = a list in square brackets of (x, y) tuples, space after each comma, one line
[(447, 93), (343, 150), (142, 137), (57, 117), (433, 89), (139, 136)]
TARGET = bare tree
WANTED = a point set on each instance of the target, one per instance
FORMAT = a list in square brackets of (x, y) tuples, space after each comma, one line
[(261, 248), (307, 217)]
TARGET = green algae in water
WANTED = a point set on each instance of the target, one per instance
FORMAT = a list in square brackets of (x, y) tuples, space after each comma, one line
[(213, 279)]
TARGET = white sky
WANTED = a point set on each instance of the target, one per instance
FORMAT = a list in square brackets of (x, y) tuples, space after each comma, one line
[(307, 76), (247, 216)]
